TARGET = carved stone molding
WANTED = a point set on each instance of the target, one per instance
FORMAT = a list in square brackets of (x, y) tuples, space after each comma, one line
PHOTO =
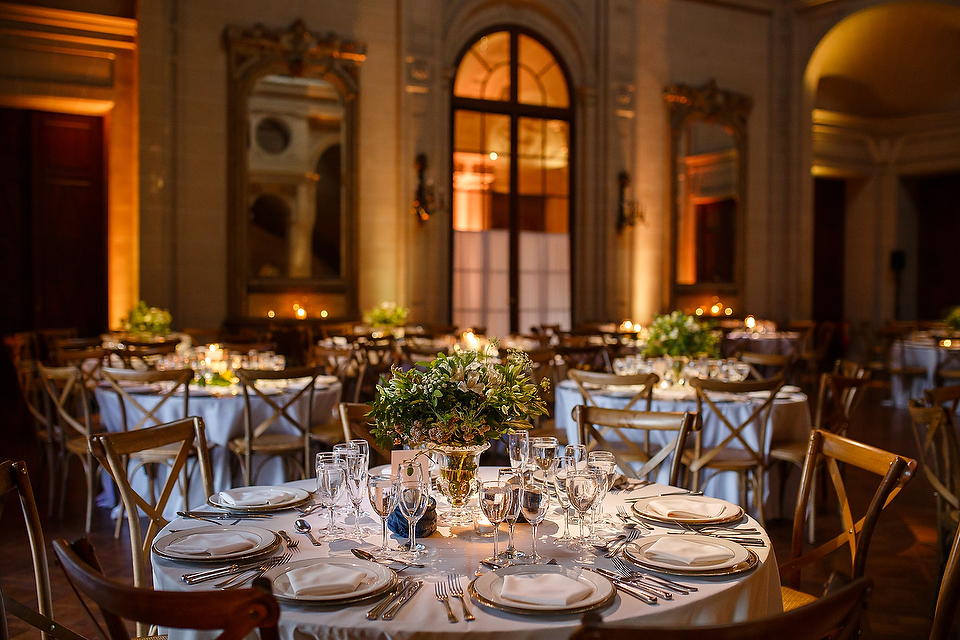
[(708, 103)]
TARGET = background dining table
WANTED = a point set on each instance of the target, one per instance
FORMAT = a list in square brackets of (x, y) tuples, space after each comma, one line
[(222, 414), (789, 420), (747, 595)]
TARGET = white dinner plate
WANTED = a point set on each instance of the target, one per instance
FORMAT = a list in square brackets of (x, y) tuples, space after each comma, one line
[(299, 495), (729, 513), (639, 547), (379, 578), (486, 590), (262, 541), (633, 552)]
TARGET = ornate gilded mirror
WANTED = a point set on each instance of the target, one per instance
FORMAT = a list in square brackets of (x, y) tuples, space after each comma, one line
[(292, 172), (708, 184)]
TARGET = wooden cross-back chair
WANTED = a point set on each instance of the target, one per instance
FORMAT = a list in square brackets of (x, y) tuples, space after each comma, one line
[(834, 617), (375, 357), (939, 457), (15, 480), (611, 430), (767, 365), (356, 425), (88, 361), (340, 362), (579, 354), (948, 600), (113, 449), (68, 412), (748, 461), (143, 355), (948, 363), (291, 447), (593, 384), (44, 433), (832, 450), (162, 386), (237, 612)]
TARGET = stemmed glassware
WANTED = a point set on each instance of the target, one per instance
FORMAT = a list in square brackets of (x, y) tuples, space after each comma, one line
[(605, 464), (518, 448), (534, 502), (582, 485), (413, 495), (331, 478), (495, 500), (565, 464), (383, 492), (544, 453), (352, 460), (511, 479)]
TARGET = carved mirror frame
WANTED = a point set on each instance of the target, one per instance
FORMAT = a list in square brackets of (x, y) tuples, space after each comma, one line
[(708, 104), (253, 53)]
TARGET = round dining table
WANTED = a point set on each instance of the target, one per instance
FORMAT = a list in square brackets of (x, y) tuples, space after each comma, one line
[(789, 421), (222, 414), (458, 550)]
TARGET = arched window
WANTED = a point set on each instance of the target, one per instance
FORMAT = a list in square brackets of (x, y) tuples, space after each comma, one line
[(512, 132)]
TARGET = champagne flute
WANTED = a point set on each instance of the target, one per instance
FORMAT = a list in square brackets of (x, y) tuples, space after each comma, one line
[(518, 448), (582, 488), (534, 502), (331, 478), (412, 498), (511, 479), (384, 493), (495, 500)]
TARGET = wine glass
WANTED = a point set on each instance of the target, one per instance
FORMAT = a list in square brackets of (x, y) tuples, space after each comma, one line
[(495, 500), (331, 478), (352, 460), (578, 452), (582, 488), (512, 480), (605, 464), (566, 463), (383, 492), (518, 448), (413, 493), (544, 453), (534, 502)]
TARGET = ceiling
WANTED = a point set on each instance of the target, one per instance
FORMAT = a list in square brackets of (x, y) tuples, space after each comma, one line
[(898, 59)]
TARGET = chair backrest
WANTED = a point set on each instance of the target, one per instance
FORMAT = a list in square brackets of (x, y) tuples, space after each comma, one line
[(112, 449), (14, 479), (579, 353), (941, 395), (31, 391), (758, 419), (948, 359), (594, 383), (21, 346), (838, 398), (835, 616), (848, 368), (66, 399), (130, 383), (237, 612), (144, 355), (598, 427), (303, 380), (831, 449), (88, 360), (773, 364), (939, 450), (948, 601), (356, 425)]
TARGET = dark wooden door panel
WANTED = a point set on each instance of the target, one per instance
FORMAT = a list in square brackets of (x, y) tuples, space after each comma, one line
[(16, 292), (938, 217), (829, 213)]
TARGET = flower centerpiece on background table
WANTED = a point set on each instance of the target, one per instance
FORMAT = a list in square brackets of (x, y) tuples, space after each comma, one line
[(146, 323), (454, 409), (677, 336), (388, 316), (952, 319)]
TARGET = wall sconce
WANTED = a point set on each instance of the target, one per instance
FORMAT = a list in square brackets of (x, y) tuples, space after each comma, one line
[(423, 197), (628, 213)]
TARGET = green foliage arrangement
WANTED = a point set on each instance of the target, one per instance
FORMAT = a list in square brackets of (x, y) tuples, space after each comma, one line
[(144, 320), (953, 318), (678, 334), (460, 400), (388, 314)]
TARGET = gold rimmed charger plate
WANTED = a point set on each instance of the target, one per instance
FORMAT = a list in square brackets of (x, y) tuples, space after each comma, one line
[(381, 578), (299, 497), (731, 512), (268, 541), (486, 591), (634, 552)]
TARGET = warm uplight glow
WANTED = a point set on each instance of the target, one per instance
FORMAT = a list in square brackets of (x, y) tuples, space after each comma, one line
[(947, 342), (323, 314), (493, 155), (699, 311), (750, 322), (715, 309), (296, 306), (728, 311), (626, 325), (301, 313), (271, 313)]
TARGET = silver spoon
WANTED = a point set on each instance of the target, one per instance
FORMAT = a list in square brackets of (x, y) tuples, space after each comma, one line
[(363, 554), (302, 526)]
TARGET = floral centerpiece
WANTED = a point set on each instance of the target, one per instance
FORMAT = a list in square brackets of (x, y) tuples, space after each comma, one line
[(678, 334), (147, 322), (454, 408), (953, 318), (388, 314)]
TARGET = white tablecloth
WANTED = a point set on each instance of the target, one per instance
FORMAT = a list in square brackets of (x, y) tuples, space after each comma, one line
[(745, 596), (790, 420), (223, 419), (912, 353)]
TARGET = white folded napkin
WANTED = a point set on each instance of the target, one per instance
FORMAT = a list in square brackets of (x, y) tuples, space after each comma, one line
[(693, 553), (254, 497), (325, 580), (549, 589), (686, 508), (210, 544)]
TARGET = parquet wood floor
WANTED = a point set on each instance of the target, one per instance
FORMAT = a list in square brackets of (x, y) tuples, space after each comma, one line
[(902, 557)]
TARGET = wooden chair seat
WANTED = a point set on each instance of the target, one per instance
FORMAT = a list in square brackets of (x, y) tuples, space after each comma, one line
[(726, 460), (789, 451), (794, 599), (270, 444)]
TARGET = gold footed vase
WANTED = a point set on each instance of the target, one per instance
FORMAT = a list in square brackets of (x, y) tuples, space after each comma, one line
[(459, 482)]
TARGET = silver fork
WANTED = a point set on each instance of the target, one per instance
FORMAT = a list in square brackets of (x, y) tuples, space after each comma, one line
[(629, 518), (442, 597), (456, 591), (249, 574), (291, 543), (617, 547), (629, 573)]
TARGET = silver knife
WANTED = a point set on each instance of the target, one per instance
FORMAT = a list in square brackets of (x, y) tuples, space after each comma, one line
[(392, 595), (651, 589), (404, 599), (633, 590)]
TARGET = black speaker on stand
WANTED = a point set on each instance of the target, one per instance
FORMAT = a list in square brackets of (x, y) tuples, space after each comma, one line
[(898, 262)]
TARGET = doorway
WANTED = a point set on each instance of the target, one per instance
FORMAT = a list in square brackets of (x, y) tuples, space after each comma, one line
[(829, 238), (938, 222)]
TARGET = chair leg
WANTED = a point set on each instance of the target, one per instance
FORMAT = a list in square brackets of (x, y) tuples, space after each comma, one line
[(52, 473), (64, 476), (88, 468)]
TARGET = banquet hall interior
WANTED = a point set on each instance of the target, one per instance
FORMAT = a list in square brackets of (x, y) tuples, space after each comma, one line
[(552, 173)]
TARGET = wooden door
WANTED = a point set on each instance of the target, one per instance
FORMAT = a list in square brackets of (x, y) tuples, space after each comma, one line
[(829, 215), (938, 220)]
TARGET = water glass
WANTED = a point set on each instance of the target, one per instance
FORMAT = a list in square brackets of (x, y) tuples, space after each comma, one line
[(512, 480), (544, 453), (605, 464), (518, 448), (582, 487), (413, 497), (331, 480), (383, 492), (534, 502), (352, 460), (495, 500)]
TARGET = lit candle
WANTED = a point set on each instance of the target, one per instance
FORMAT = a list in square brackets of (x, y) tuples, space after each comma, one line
[(481, 525)]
